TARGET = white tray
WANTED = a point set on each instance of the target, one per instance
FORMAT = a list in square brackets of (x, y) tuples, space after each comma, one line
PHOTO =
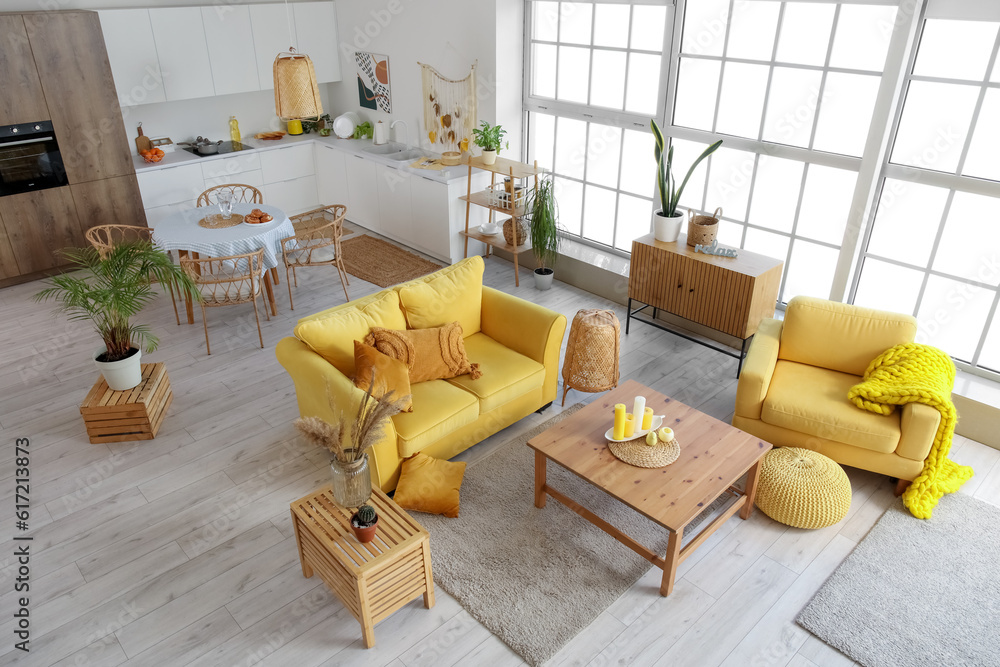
[(656, 423)]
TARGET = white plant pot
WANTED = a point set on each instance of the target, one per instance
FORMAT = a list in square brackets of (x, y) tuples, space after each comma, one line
[(667, 230), (543, 281), (489, 157), (120, 375)]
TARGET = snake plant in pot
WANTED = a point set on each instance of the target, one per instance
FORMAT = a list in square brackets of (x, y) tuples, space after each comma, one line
[(109, 290), (544, 232), (667, 221)]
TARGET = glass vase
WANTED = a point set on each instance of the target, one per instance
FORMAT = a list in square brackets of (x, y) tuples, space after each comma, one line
[(351, 482)]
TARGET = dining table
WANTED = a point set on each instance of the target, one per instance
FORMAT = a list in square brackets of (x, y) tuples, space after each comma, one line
[(182, 232)]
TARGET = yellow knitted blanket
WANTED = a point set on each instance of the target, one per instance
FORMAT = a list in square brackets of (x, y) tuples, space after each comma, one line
[(914, 373)]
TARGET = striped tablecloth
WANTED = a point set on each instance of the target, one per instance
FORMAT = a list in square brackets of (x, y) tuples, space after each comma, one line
[(182, 232)]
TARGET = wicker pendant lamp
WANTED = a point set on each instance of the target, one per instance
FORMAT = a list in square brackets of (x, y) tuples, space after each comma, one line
[(296, 94)]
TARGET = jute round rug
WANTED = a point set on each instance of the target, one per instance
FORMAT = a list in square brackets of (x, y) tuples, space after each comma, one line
[(536, 577)]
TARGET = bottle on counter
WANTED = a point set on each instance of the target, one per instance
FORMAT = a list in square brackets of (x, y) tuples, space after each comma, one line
[(234, 129)]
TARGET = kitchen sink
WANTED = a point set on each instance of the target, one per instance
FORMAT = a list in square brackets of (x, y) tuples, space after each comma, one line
[(407, 155), (386, 149)]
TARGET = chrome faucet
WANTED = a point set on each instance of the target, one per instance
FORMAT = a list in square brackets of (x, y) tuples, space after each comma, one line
[(394, 124)]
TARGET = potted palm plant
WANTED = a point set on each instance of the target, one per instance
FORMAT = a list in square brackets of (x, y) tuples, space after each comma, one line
[(109, 291), (667, 221), (489, 137), (544, 232)]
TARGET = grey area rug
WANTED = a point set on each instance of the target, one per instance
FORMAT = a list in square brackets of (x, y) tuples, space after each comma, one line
[(917, 593), (536, 577)]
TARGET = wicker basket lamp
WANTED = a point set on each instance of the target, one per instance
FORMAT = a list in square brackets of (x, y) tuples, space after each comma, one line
[(803, 489), (591, 363)]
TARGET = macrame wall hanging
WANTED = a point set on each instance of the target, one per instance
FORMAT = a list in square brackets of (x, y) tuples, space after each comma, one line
[(450, 109)]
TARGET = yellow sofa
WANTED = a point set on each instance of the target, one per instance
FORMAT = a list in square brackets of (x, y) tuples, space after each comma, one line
[(793, 390), (515, 342)]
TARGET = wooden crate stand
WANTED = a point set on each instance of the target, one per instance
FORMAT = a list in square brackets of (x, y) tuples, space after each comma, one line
[(372, 580), (133, 414)]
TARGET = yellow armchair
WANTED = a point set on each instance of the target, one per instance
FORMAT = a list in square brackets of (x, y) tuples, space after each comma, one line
[(793, 389)]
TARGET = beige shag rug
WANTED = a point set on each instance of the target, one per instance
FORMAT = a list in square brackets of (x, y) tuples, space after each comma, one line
[(536, 577), (382, 263)]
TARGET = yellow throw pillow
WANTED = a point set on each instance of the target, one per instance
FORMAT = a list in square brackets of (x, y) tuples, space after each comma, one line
[(429, 354), (452, 294), (430, 485), (390, 374)]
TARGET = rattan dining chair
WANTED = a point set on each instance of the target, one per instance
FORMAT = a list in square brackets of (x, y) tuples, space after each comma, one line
[(242, 194), (105, 237), (316, 243), (228, 281)]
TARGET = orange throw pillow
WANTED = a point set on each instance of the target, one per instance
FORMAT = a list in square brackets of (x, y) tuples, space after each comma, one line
[(430, 485), (429, 354), (390, 374)]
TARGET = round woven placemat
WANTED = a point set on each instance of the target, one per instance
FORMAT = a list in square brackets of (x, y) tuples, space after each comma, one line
[(639, 454), (216, 221)]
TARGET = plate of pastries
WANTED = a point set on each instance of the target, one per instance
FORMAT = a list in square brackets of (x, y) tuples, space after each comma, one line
[(256, 217)]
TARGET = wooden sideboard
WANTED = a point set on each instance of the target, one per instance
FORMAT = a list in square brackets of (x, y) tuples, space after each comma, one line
[(728, 294)]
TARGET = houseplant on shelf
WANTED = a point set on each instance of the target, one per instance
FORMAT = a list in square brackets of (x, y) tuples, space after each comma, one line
[(544, 232), (667, 221), (364, 522), (489, 138), (349, 441), (110, 291)]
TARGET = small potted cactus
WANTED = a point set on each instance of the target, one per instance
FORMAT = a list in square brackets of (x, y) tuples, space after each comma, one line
[(364, 522)]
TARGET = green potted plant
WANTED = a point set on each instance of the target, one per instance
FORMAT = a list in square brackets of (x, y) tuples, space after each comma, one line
[(544, 232), (364, 523), (489, 138), (667, 221), (109, 291)]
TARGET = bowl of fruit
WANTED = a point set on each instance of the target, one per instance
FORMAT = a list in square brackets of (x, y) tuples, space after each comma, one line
[(152, 154)]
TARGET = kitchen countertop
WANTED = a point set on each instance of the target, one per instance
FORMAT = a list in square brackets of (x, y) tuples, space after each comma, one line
[(353, 146)]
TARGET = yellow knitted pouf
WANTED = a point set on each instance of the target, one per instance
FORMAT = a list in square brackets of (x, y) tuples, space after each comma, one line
[(800, 488)]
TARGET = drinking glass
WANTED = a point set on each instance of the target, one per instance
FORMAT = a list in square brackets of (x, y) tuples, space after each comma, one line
[(225, 201)]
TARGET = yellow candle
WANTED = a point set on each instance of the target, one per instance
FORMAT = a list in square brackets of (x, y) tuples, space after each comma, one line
[(647, 419), (619, 429), (629, 426)]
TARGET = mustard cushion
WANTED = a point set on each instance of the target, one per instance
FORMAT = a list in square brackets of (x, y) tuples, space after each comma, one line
[(452, 294), (840, 336), (429, 354), (813, 401), (389, 374), (506, 374), (439, 409), (332, 336), (430, 485)]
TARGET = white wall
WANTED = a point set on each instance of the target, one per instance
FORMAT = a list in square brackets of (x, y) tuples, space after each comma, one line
[(38, 5)]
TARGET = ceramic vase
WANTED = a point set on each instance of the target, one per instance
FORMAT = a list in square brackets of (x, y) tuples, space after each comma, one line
[(667, 229)]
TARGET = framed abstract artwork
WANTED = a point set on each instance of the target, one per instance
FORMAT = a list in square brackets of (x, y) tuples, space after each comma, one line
[(373, 81)]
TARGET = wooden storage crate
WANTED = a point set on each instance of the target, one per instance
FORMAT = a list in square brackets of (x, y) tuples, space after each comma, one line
[(133, 414), (372, 579)]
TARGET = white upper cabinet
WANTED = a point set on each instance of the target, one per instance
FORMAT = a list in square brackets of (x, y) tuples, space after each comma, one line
[(128, 36), (270, 24), (316, 29), (183, 52), (230, 48)]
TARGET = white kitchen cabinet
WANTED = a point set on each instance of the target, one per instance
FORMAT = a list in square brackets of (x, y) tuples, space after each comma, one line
[(179, 33), (243, 168), (270, 26), (292, 196), (128, 37), (230, 48), (287, 163), (172, 185), (430, 216), (394, 203), (331, 176), (316, 29), (362, 193)]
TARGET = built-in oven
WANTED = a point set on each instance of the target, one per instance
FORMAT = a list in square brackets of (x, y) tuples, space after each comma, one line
[(29, 158)]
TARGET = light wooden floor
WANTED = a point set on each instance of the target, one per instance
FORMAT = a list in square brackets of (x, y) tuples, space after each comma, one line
[(180, 551)]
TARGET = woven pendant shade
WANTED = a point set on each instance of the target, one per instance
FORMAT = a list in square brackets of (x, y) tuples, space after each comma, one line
[(296, 94)]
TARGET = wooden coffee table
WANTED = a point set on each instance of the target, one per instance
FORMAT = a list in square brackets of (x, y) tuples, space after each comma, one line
[(714, 455)]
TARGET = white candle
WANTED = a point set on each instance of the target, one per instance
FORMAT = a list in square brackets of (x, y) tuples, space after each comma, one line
[(639, 409)]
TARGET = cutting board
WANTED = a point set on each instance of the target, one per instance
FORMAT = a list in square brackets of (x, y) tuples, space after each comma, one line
[(142, 142)]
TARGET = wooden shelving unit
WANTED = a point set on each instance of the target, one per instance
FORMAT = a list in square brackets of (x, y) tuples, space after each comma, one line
[(515, 171)]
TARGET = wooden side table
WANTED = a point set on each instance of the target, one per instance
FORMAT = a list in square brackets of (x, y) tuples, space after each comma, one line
[(373, 579), (133, 414)]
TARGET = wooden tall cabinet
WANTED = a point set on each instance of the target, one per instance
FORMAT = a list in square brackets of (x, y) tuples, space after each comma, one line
[(22, 100), (39, 224)]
